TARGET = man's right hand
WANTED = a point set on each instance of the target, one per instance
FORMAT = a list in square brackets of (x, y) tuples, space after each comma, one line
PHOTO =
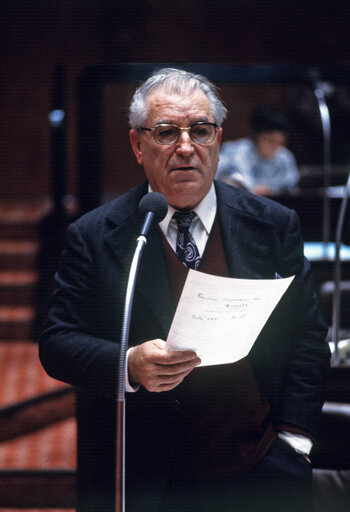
[(158, 369)]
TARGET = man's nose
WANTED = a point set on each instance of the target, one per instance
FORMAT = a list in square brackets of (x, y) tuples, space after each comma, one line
[(185, 145)]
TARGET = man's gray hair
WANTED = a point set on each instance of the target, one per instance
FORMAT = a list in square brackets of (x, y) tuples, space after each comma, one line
[(174, 81)]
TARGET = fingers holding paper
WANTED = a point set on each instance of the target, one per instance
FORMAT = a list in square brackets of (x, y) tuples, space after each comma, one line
[(158, 369)]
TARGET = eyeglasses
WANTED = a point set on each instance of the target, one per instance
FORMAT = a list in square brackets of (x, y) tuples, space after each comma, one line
[(200, 133)]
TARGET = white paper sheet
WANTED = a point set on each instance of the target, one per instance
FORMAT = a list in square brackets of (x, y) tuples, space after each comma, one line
[(220, 317)]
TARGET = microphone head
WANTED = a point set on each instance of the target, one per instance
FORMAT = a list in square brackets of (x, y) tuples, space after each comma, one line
[(156, 203)]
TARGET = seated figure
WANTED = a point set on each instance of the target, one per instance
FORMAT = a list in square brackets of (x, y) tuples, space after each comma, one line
[(262, 163)]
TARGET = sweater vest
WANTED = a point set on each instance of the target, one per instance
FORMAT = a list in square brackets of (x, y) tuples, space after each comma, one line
[(224, 425)]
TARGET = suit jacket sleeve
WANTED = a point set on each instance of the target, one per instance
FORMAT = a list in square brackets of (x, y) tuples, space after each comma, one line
[(73, 347), (307, 365)]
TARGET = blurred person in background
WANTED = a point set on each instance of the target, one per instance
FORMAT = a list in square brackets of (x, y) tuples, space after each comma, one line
[(262, 163)]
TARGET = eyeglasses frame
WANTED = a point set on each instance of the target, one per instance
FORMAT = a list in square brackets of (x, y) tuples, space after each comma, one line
[(187, 129)]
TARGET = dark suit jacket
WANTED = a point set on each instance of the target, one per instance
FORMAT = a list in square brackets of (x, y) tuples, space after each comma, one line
[(80, 342)]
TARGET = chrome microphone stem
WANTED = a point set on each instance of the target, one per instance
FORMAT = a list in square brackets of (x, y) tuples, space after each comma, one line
[(141, 243), (120, 455)]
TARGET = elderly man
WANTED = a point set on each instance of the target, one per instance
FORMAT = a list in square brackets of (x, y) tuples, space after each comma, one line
[(226, 437)]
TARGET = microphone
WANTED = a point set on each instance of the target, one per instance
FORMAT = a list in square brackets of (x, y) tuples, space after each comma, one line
[(155, 207)]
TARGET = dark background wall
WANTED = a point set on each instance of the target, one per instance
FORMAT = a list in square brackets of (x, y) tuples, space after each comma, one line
[(38, 35)]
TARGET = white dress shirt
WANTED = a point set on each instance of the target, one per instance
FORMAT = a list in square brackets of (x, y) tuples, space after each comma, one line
[(200, 226), (200, 229)]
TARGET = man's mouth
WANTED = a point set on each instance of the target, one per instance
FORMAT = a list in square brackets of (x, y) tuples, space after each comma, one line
[(185, 168)]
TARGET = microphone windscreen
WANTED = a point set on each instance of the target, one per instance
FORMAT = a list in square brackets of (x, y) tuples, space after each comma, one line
[(156, 203)]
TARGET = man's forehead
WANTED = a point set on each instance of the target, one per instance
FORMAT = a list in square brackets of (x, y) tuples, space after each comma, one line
[(163, 106)]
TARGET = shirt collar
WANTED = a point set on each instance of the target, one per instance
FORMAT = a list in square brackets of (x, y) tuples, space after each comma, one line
[(205, 210)]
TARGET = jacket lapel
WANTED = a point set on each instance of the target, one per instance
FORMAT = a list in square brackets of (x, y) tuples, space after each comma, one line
[(152, 280), (247, 238)]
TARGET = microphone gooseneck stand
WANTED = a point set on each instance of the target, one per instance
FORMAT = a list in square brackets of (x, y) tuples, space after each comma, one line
[(337, 272), (120, 444), (155, 206)]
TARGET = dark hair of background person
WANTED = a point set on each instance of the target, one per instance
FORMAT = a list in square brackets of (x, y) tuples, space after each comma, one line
[(268, 118)]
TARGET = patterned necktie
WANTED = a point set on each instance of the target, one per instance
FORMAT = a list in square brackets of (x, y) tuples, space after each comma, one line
[(186, 247)]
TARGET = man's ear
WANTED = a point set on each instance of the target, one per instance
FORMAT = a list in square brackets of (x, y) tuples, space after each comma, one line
[(220, 136), (135, 141)]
